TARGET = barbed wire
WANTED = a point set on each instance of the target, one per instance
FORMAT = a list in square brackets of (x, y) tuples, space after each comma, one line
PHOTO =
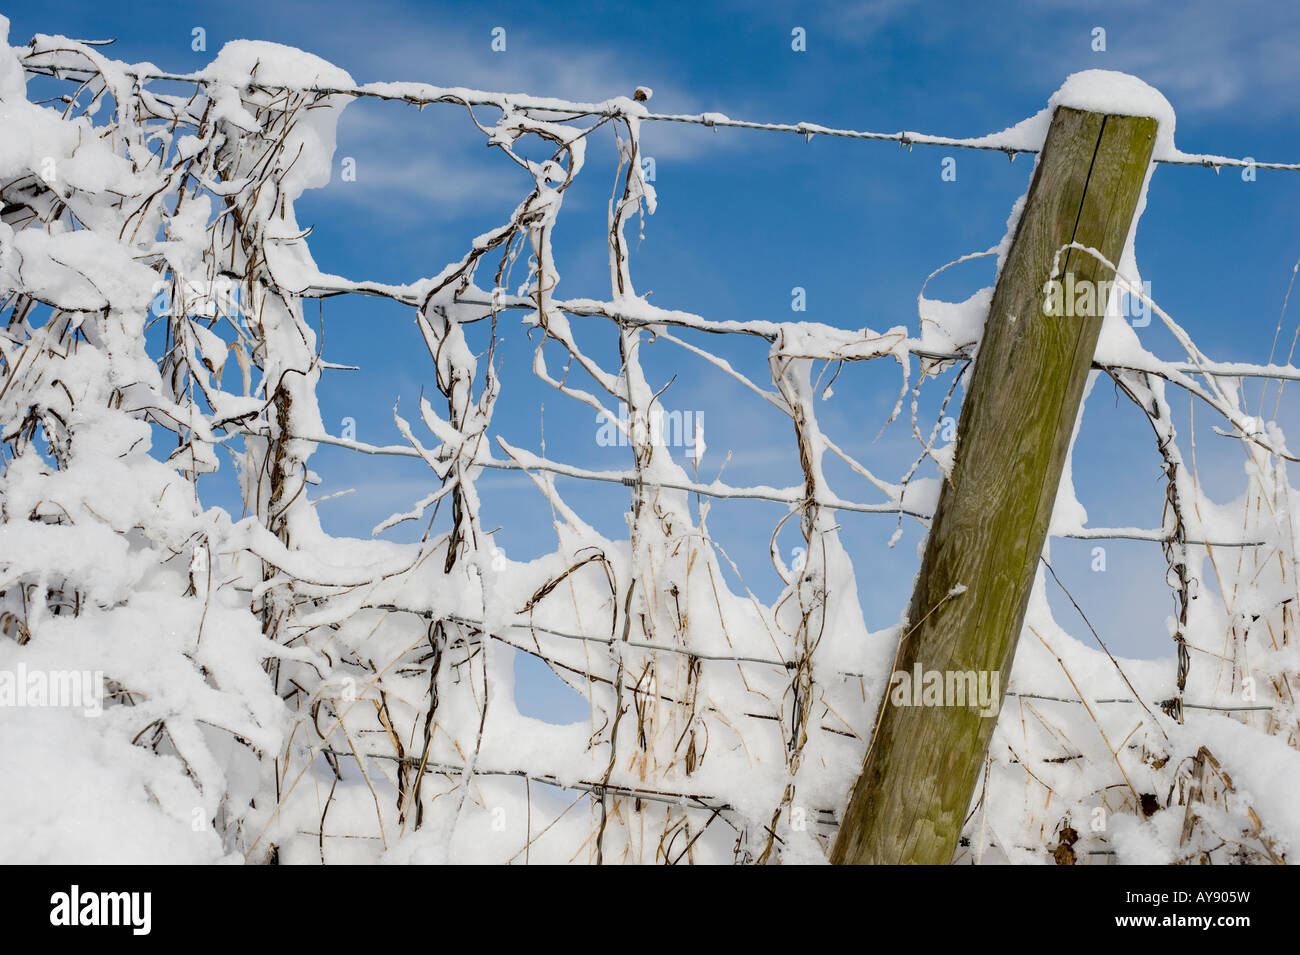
[(421, 95), (794, 496), (769, 330), (1124, 699), (817, 342), (485, 628)]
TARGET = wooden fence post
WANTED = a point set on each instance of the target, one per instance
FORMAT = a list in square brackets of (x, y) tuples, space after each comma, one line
[(910, 802)]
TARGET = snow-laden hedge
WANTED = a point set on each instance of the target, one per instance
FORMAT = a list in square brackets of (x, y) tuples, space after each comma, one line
[(250, 688)]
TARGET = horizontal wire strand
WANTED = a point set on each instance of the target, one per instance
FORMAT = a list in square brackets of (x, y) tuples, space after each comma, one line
[(419, 94)]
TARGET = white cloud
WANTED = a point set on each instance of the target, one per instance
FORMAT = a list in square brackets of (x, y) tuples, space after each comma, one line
[(1205, 56), (458, 56)]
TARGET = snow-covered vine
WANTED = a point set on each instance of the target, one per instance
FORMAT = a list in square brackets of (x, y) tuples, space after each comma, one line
[(272, 693)]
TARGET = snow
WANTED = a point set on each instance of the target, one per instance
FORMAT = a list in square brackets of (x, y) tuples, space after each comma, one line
[(953, 327), (272, 64), (262, 679), (1099, 91)]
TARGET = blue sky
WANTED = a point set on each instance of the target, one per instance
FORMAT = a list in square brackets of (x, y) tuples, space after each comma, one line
[(744, 217)]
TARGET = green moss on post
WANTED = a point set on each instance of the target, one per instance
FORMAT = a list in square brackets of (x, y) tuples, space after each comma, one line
[(910, 802)]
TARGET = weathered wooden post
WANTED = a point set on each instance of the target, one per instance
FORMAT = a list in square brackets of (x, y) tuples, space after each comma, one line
[(920, 773)]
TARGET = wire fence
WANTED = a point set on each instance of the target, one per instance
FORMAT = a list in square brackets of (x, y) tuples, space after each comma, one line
[(629, 640), (421, 95)]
